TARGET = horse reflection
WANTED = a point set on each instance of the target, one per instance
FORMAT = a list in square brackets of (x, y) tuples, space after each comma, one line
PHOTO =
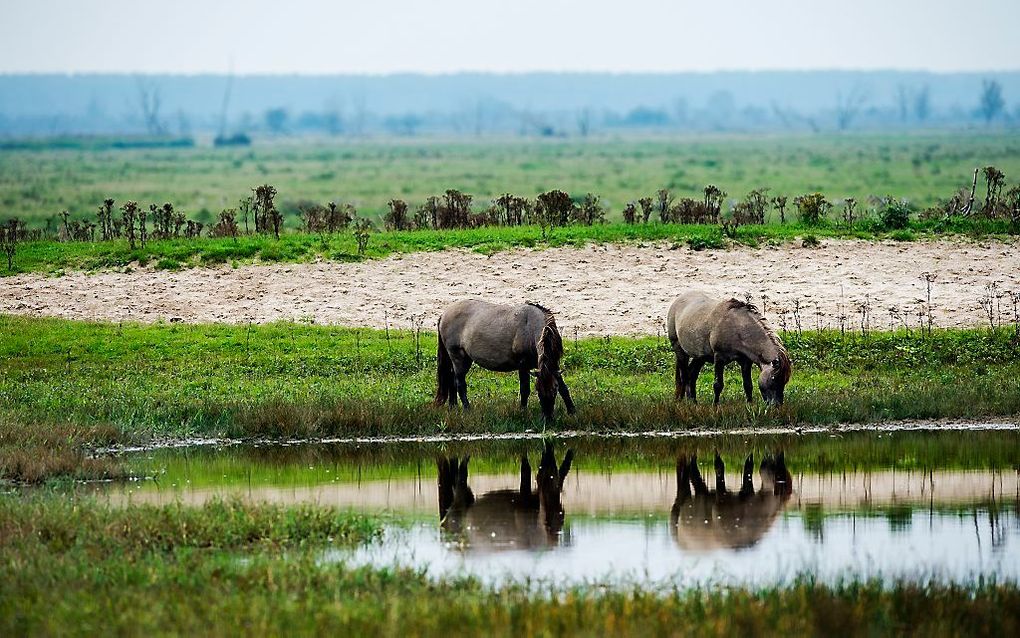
[(721, 519), (520, 518)]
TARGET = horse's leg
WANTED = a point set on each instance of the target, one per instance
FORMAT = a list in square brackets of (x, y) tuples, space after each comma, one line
[(720, 366), (745, 372), (692, 377), (680, 374), (524, 375), (565, 393), (461, 365)]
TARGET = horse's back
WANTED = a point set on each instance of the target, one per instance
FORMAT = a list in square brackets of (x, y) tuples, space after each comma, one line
[(690, 321), (495, 336)]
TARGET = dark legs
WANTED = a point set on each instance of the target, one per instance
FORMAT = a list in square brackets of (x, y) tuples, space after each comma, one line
[(686, 375), (720, 366), (681, 374), (745, 372), (525, 378), (692, 378), (565, 393), (461, 365)]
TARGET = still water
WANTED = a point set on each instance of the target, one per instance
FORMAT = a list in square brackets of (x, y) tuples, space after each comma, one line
[(912, 506)]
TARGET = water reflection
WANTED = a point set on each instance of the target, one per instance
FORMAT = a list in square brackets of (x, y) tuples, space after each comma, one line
[(712, 519), (521, 518)]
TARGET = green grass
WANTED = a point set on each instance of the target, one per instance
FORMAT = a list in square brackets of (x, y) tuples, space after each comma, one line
[(131, 382), (36, 184), (56, 257), (82, 568)]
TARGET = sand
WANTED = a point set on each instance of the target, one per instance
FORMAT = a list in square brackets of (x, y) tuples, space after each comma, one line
[(596, 290)]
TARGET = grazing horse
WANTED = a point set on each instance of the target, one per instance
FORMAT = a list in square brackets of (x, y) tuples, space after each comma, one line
[(708, 520), (703, 329), (502, 339), (520, 518)]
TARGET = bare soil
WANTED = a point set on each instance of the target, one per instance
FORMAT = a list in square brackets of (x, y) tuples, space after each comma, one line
[(596, 290)]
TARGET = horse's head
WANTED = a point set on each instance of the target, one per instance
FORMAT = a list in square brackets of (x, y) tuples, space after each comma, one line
[(546, 386), (775, 374), (550, 484), (547, 379)]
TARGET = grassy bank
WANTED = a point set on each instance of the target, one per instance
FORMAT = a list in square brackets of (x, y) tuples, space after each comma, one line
[(172, 254), (67, 385), (81, 568), (71, 564)]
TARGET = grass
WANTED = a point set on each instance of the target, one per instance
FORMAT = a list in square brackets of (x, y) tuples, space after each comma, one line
[(56, 257), (35, 185), (926, 166), (82, 383), (77, 567)]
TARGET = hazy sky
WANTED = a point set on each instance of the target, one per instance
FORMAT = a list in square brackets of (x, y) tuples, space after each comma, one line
[(437, 36)]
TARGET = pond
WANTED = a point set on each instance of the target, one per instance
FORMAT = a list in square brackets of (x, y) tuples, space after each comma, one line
[(770, 509)]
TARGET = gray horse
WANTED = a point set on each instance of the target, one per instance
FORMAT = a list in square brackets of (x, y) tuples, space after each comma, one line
[(703, 329), (503, 339)]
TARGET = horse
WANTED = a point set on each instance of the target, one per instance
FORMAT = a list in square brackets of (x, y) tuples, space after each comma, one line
[(520, 518), (503, 339), (708, 520), (703, 329)]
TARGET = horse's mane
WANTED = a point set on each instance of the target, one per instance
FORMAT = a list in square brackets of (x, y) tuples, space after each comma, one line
[(548, 313), (751, 309), (550, 343)]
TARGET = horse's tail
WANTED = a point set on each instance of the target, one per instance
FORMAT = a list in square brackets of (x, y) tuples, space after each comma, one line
[(444, 372)]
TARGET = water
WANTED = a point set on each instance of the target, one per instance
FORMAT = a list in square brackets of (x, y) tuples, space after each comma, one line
[(911, 506)]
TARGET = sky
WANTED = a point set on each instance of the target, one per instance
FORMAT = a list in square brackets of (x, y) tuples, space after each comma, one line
[(447, 36)]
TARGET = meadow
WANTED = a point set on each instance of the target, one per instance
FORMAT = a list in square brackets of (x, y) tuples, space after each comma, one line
[(922, 167), (70, 563), (77, 567), (67, 386)]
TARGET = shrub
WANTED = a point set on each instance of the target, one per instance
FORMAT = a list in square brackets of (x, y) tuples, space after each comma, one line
[(590, 212), (893, 213), (396, 218), (812, 208)]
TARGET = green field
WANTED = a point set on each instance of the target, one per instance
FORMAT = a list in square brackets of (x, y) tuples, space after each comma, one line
[(81, 568), (66, 386), (923, 167)]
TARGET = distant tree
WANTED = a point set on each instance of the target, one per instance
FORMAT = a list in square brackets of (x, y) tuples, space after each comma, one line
[(848, 107), (902, 101), (991, 100), (584, 122), (403, 124), (149, 101), (276, 119), (922, 103)]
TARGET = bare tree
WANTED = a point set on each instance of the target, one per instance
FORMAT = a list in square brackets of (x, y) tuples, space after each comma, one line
[(584, 122), (848, 107), (991, 100), (902, 102), (922, 103), (149, 101)]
